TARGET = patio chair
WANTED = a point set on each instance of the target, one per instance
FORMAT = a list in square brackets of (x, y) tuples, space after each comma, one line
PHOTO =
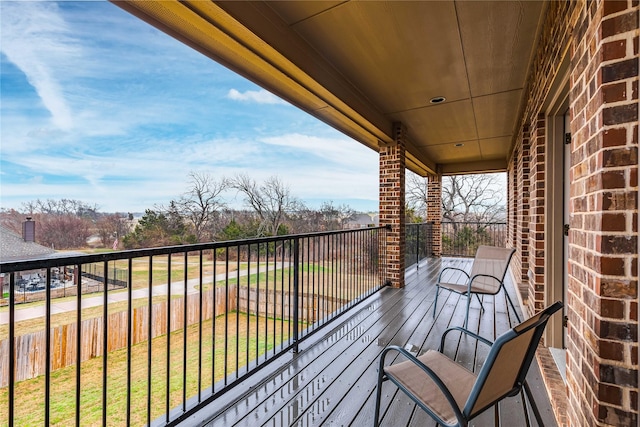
[(487, 277), (453, 395)]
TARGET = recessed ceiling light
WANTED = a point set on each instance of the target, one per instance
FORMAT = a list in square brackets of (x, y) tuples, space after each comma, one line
[(459, 144), (437, 99)]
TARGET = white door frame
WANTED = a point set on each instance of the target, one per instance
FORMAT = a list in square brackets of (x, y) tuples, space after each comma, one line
[(555, 276)]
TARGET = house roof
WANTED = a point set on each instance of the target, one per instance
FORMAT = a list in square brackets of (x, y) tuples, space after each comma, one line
[(14, 248), (364, 219)]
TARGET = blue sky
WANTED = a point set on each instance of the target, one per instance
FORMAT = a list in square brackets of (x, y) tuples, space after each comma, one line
[(98, 106)]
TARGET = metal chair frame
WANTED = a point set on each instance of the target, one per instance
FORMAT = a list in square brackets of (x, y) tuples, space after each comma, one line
[(470, 281), (468, 412)]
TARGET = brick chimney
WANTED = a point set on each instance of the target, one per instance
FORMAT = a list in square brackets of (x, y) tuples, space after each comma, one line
[(29, 230)]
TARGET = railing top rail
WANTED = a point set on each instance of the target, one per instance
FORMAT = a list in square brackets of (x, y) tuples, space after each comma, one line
[(55, 261)]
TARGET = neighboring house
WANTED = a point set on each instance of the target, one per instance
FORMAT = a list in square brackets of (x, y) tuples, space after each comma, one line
[(363, 221), (14, 247)]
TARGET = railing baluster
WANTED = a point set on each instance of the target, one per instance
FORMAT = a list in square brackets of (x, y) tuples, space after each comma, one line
[(105, 342), (129, 334), (281, 266), (296, 288), (12, 346), (78, 271), (149, 339), (168, 364), (290, 292), (185, 332), (226, 316), (325, 269), (47, 375), (249, 305), (301, 296), (258, 284), (237, 310), (200, 297), (213, 324)]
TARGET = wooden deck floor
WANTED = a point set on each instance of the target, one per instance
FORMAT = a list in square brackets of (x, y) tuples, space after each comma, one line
[(332, 380)]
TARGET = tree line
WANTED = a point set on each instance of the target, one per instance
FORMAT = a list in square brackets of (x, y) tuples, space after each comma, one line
[(200, 214)]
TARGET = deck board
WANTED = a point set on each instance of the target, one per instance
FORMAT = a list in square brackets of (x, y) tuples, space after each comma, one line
[(332, 380)]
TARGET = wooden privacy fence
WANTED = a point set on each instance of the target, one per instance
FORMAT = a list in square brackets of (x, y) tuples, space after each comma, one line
[(30, 357)]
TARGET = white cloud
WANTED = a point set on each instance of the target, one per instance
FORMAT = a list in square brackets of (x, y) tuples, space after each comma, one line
[(338, 150), (258, 96), (33, 33)]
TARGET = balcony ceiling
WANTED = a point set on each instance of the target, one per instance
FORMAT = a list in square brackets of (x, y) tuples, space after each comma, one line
[(360, 66)]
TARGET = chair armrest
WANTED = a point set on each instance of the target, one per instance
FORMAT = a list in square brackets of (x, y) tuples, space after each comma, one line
[(465, 331), (436, 379), (451, 268)]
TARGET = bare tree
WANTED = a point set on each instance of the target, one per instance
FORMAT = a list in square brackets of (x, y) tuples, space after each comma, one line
[(471, 198), (271, 201), (335, 217), (201, 203), (112, 226), (12, 219), (61, 207), (416, 188), (63, 231)]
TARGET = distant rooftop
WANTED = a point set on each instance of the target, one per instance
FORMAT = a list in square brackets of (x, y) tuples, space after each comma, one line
[(14, 248)]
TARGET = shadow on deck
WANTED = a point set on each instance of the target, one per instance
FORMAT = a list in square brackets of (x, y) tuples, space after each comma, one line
[(332, 380)]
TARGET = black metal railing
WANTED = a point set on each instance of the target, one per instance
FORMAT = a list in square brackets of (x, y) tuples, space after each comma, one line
[(418, 242), (193, 322), (463, 238)]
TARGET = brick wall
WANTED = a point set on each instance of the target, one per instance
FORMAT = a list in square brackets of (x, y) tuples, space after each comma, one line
[(434, 210), (392, 203), (527, 161), (602, 348), (601, 41)]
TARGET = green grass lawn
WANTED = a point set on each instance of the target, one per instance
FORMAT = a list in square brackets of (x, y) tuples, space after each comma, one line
[(29, 395)]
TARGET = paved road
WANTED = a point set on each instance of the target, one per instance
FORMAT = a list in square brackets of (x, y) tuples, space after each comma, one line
[(177, 288)]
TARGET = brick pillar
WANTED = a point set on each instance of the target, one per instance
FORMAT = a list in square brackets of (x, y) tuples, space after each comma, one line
[(536, 198), (519, 195), (602, 344), (392, 206), (434, 210), (512, 201)]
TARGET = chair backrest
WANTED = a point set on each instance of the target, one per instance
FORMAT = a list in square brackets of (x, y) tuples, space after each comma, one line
[(491, 261), (507, 363)]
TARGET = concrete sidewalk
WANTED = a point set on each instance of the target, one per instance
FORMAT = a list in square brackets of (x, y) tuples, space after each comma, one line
[(177, 288)]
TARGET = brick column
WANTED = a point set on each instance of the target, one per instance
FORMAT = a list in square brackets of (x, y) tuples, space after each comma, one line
[(536, 223), (602, 347), (392, 205), (434, 210), (519, 195)]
